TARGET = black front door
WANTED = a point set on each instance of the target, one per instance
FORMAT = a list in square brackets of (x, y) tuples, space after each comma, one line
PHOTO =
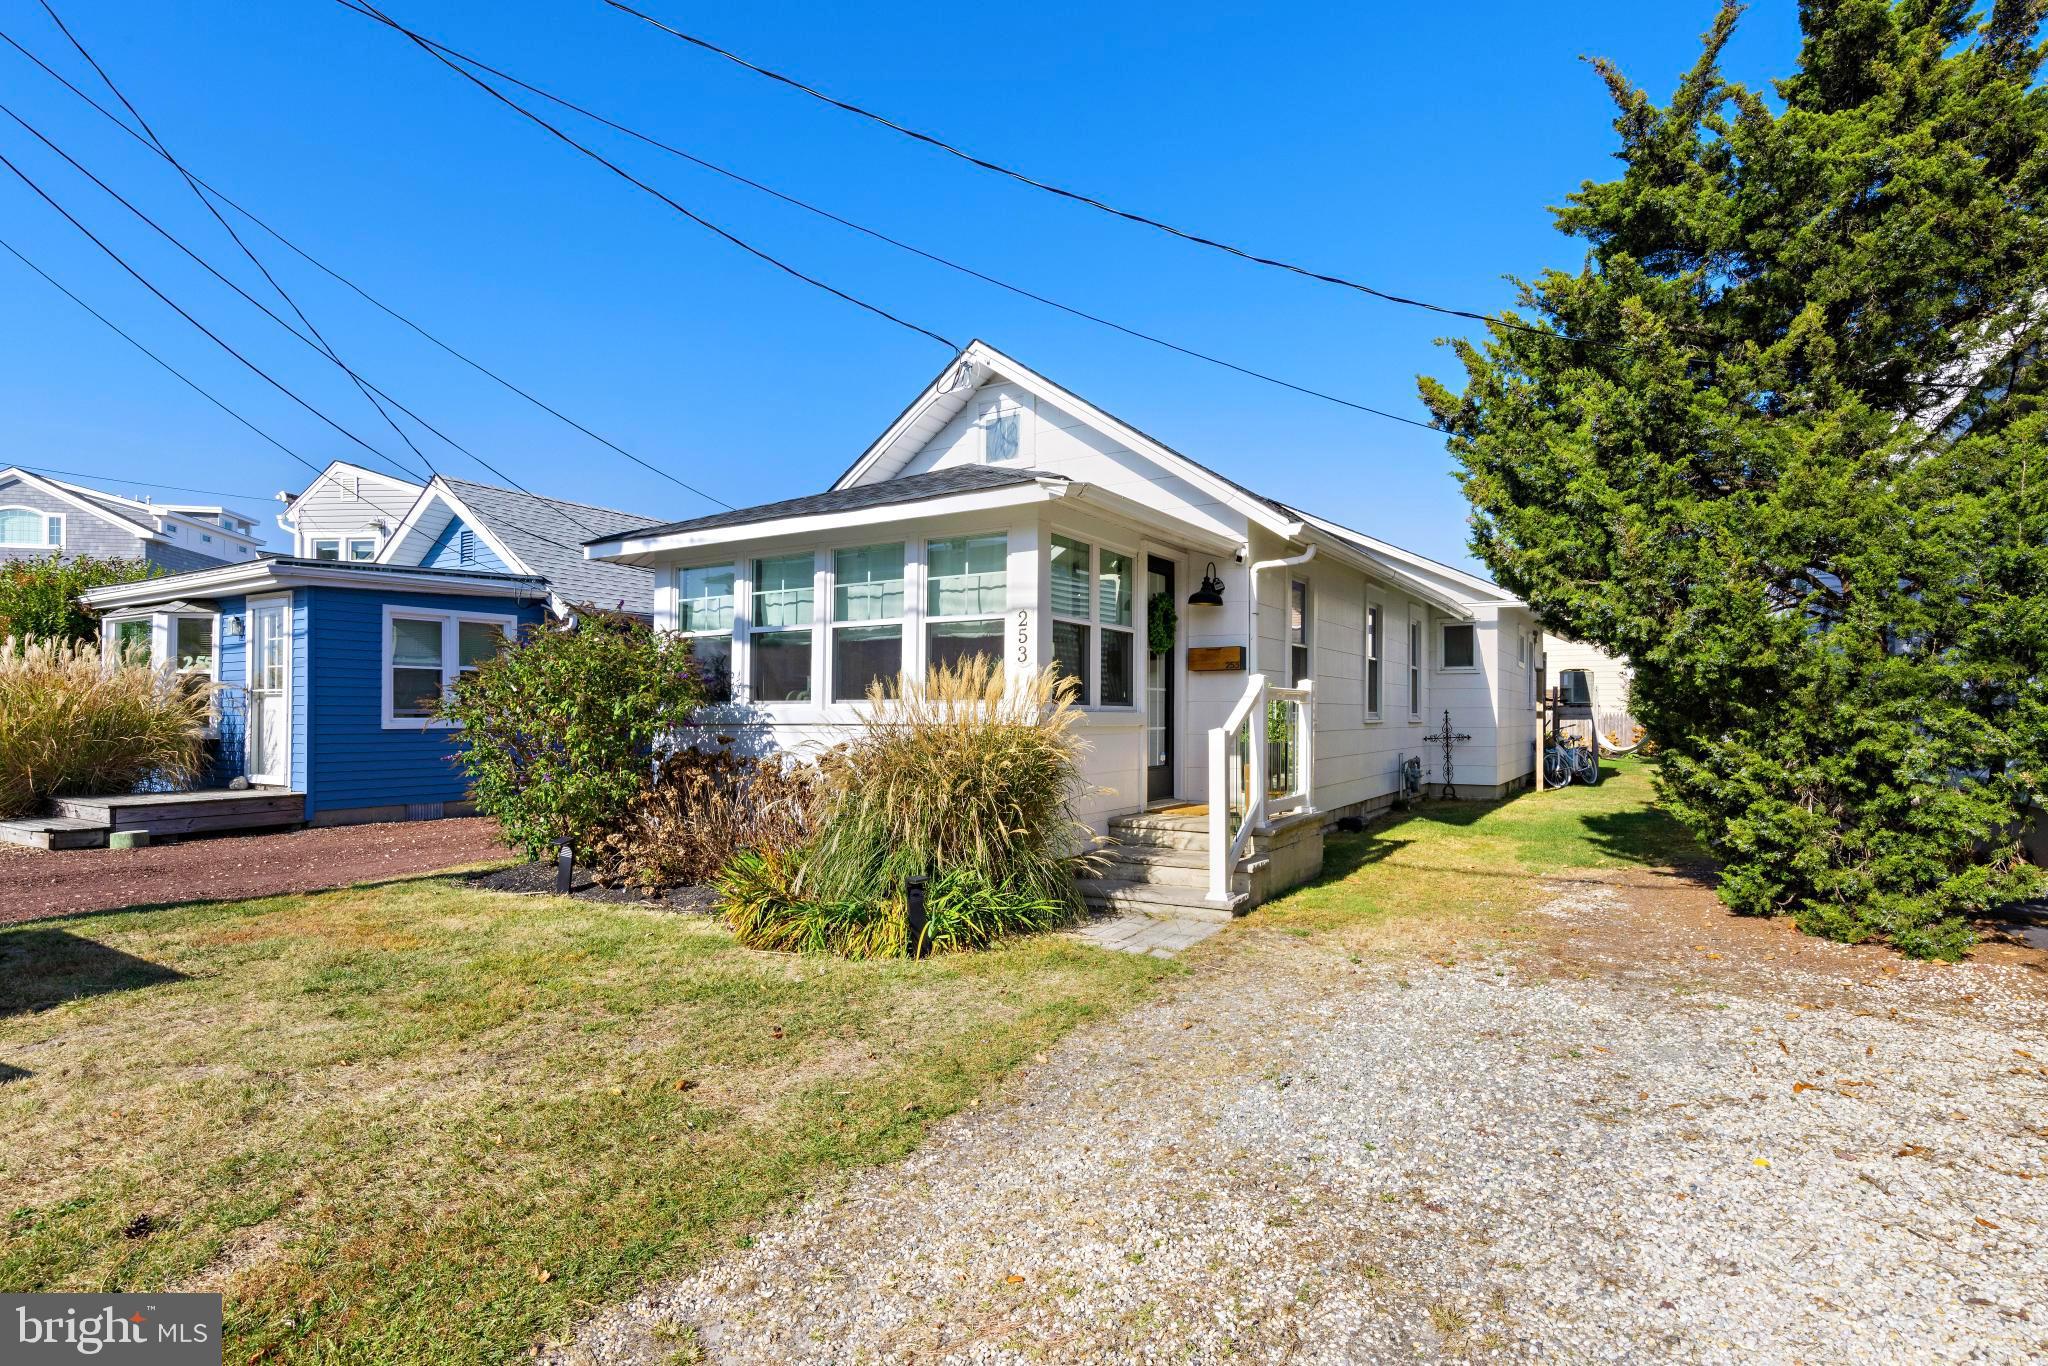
[(1158, 689)]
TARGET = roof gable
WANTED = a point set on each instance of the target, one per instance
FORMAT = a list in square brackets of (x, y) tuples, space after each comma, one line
[(979, 365), (529, 534), (79, 499)]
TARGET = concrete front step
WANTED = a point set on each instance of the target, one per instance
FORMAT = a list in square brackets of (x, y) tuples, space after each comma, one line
[(1175, 868), (1120, 895)]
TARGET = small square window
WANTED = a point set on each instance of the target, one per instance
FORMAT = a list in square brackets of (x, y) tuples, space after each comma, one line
[(327, 550), (1460, 647)]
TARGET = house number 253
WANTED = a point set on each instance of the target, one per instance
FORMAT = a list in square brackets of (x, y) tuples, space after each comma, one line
[(1024, 636)]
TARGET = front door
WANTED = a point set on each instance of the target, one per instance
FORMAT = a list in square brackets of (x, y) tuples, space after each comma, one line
[(270, 697), (1159, 699)]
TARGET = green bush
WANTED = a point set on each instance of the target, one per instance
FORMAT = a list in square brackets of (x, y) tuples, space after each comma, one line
[(559, 728), (962, 911), (70, 727), (39, 598), (967, 781)]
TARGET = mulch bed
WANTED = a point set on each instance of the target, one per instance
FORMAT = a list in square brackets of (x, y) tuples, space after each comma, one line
[(229, 867), (539, 879)]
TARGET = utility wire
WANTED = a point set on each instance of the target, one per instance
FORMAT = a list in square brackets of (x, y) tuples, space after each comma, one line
[(324, 352), (176, 373), (362, 293), (1077, 197), (143, 483), (630, 178), (257, 370), (164, 150), (188, 382), (901, 245)]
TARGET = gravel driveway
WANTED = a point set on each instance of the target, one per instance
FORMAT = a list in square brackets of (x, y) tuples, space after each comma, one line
[(1733, 1153)]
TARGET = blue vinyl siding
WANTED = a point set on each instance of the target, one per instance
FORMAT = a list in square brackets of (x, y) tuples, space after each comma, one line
[(348, 758), (446, 551), (230, 756)]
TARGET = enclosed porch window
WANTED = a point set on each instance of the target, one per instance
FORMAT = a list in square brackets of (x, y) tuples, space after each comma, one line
[(779, 633), (967, 589), (867, 619)]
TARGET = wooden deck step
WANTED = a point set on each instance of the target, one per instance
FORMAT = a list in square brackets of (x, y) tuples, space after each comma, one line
[(54, 832), (188, 813)]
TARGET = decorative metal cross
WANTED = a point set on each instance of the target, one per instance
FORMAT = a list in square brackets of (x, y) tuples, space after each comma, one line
[(1447, 737)]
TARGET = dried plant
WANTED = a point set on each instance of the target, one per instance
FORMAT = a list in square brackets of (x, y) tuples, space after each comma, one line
[(703, 807), (74, 725)]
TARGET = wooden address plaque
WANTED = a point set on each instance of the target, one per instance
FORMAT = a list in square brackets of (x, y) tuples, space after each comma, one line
[(1216, 659)]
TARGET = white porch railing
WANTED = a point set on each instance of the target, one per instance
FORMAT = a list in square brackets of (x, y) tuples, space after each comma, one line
[(1261, 765)]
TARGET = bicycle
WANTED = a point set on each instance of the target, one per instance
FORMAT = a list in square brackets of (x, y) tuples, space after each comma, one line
[(1571, 761)]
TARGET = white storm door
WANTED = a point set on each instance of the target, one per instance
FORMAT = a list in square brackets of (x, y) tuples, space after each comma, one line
[(270, 695)]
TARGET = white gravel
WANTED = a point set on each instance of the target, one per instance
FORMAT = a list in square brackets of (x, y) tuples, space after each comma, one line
[(1293, 1157)]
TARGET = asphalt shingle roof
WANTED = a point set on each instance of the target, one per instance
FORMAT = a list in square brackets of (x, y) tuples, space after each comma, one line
[(544, 533), (915, 488)]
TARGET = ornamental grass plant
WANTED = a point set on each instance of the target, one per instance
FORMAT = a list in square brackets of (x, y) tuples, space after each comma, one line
[(968, 780), (72, 725)]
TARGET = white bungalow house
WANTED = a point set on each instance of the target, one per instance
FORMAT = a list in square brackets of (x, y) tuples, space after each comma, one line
[(1002, 513)]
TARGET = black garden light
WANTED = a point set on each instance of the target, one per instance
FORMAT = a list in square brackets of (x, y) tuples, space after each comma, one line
[(1210, 594)]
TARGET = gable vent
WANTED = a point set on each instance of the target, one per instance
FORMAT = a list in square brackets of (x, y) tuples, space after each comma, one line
[(465, 546)]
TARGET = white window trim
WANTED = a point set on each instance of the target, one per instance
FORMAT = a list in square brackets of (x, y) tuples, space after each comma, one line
[(44, 518), (924, 618), (730, 634), (1102, 628), (1308, 628), (349, 549), (828, 561), (1418, 663), (1375, 651), (1442, 654), (451, 665), (314, 544), (743, 629)]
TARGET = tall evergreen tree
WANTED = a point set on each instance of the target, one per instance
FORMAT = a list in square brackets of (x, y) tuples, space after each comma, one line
[(1783, 441)]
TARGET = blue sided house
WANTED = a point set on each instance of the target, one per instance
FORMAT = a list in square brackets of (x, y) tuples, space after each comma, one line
[(328, 672), (330, 659)]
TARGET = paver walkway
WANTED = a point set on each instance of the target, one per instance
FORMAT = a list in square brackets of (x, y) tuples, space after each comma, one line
[(1162, 936)]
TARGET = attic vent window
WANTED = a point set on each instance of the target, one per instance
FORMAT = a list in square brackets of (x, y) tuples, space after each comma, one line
[(465, 546), (999, 427)]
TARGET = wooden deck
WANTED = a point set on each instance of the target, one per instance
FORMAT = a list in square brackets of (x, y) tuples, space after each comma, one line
[(85, 822)]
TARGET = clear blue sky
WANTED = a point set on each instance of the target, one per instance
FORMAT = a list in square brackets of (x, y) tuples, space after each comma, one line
[(1416, 151)]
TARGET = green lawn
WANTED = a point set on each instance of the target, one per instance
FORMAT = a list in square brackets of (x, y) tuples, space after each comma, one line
[(1450, 873), (415, 1122)]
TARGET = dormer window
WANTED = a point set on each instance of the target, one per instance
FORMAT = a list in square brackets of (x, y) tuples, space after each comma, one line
[(1000, 430)]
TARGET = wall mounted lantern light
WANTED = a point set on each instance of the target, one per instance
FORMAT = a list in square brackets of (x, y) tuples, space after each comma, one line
[(1210, 594)]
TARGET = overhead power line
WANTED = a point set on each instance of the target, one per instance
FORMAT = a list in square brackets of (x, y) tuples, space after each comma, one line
[(326, 353), (105, 478), (1048, 187), (339, 278), (371, 11), (164, 150), (901, 245), (176, 373)]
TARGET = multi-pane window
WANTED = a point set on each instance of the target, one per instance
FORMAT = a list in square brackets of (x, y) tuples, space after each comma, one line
[(779, 631), (362, 548), (1297, 633), (424, 653), (1414, 667), (704, 614), (1461, 646), (867, 619), (416, 672), (1372, 660), (1069, 572), (967, 589), (24, 526), (1113, 613)]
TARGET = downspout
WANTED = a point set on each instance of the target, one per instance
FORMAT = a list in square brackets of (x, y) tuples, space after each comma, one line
[(1252, 606)]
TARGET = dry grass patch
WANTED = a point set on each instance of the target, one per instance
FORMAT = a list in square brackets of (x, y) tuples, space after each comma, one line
[(421, 1122)]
